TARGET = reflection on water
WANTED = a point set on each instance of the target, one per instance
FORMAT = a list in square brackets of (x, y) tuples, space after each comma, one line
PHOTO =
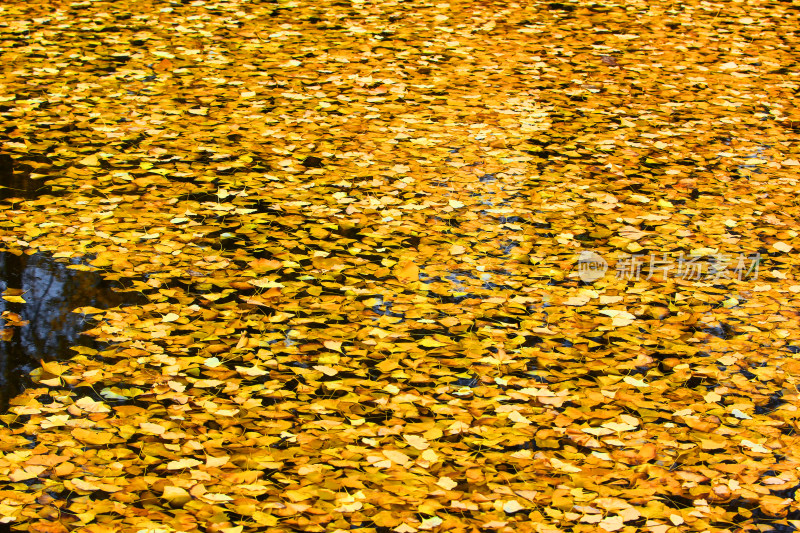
[(17, 184), (44, 327)]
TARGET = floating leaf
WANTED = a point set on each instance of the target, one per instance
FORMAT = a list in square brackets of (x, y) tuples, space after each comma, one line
[(446, 483), (89, 436), (512, 506), (183, 464)]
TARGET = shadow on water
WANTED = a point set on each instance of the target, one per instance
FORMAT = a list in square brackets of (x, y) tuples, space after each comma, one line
[(18, 184), (44, 327)]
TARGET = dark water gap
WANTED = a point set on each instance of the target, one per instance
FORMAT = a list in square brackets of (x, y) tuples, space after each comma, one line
[(44, 327), (15, 182)]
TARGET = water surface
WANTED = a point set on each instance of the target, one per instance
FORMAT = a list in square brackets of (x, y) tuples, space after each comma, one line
[(45, 326)]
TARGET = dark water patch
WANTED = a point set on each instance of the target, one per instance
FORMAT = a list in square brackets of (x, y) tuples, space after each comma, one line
[(773, 402), (723, 331), (16, 183), (470, 381), (748, 512), (44, 326), (385, 309), (312, 162)]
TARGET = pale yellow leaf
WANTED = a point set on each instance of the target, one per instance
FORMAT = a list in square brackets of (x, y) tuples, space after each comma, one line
[(416, 441), (446, 483), (512, 506), (183, 463), (457, 249), (150, 427)]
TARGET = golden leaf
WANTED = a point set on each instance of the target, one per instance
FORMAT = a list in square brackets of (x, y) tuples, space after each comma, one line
[(182, 464), (446, 483), (91, 437), (406, 271), (416, 441)]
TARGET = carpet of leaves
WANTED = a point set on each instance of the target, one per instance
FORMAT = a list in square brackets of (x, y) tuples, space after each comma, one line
[(358, 226)]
